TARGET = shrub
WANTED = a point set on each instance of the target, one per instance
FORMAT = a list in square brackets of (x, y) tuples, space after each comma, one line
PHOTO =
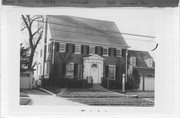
[(72, 83)]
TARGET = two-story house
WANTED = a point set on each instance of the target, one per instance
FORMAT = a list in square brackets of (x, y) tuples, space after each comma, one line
[(80, 47), (143, 62)]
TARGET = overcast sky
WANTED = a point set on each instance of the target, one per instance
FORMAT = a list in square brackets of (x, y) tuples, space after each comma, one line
[(141, 22)]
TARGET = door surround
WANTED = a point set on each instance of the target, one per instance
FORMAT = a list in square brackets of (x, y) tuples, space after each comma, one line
[(93, 63)]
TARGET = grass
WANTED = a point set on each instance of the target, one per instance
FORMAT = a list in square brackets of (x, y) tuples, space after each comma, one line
[(141, 94), (92, 97), (124, 101)]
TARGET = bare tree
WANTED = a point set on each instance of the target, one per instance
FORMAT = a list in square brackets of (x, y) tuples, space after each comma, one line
[(34, 34)]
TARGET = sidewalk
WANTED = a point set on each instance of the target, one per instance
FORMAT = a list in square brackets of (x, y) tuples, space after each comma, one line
[(39, 97)]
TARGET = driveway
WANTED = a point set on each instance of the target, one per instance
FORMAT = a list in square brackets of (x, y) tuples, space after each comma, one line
[(39, 97)]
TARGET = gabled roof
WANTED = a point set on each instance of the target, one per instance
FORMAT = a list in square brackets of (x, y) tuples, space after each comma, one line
[(85, 31), (141, 56)]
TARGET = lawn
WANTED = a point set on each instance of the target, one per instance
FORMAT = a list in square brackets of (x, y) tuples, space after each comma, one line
[(92, 97), (123, 101), (141, 94)]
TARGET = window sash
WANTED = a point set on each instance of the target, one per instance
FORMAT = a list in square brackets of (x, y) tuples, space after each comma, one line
[(119, 53), (62, 47), (77, 49), (133, 61), (47, 68), (91, 50), (70, 70), (80, 71), (112, 72), (105, 51)]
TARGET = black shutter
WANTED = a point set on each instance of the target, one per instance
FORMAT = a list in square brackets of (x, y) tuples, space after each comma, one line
[(75, 71), (117, 72), (115, 52), (96, 50), (106, 71), (109, 52), (82, 49), (56, 46), (124, 52), (87, 50), (101, 51), (73, 48), (67, 47)]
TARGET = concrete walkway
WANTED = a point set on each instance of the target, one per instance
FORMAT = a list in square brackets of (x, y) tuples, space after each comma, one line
[(39, 97)]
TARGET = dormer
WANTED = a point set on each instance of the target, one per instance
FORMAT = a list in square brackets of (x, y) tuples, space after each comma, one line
[(133, 61), (149, 62)]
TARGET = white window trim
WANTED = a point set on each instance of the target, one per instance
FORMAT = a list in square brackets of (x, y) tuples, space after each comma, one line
[(114, 70), (91, 53), (76, 52), (107, 51), (73, 70), (150, 62), (64, 50), (132, 59), (119, 54), (47, 68)]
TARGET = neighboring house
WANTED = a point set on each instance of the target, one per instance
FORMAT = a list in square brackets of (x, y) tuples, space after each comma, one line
[(80, 47), (145, 65)]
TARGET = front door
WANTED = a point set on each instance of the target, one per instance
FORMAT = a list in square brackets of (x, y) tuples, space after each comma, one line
[(95, 74)]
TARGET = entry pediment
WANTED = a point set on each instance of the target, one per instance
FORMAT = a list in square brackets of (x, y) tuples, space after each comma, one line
[(94, 57)]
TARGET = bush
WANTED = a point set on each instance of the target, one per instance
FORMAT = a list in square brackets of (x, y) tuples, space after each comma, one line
[(113, 84), (72, 83)]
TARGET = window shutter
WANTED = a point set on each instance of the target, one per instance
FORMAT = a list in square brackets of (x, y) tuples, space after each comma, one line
[(109, 52), (56, 46), (124, 52), (117, 72), (101, 51), (75, 71), (87, 50), (106, 71), (73, 48), (115, 52), (96, 50), (82, 49), (67, 47)]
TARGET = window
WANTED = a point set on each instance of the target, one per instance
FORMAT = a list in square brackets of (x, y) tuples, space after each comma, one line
[(70, 70), (105, 51), (77, 49), (119, 53), (112, 72), (62, 47), (133, 61), (47, 68), (79, 71), (150, 63), (91, 50)]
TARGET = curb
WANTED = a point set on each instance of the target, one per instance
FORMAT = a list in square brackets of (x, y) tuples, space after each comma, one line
[(46, 91)]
